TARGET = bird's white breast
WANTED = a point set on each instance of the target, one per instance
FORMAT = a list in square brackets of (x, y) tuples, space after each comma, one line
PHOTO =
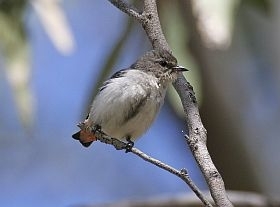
[(112, 107)]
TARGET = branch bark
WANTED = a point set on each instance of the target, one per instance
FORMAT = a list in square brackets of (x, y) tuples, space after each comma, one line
[(197, 137), (183, 174), (127, 8), (120, 145)]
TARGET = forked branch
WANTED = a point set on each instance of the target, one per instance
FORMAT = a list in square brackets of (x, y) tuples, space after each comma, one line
[(120, 145)]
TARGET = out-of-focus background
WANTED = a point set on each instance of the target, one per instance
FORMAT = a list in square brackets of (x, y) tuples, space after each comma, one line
[(53, 56)]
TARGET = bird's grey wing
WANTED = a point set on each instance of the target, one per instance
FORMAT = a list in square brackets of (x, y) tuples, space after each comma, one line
[(136, 105), (117, 74), (121, 93)]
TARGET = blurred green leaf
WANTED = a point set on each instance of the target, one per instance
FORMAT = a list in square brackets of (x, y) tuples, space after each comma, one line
[(262, 5), (14, 48), (12, 32)]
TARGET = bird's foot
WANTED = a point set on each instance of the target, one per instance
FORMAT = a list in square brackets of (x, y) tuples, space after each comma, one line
[(96, 128), (129, 145)]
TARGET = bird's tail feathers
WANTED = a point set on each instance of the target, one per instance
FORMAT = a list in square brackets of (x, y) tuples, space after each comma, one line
[(76, 136), (84, 137)]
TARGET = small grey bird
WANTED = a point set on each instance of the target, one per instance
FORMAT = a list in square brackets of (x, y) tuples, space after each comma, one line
[(127, 103)]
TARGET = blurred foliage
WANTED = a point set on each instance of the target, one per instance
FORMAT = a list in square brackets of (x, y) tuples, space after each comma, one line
[(12, 32), (12, 8), (262, 5), (14, 48)]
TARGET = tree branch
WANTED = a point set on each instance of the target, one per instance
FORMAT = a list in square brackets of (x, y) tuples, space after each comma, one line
[(197, 133), (197, 142), (152, 27), (120, 145), (183, 174), (127, 8)]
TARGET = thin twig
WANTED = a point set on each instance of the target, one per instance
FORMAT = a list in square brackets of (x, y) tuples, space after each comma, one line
[(183, 174), (120, 145), (127, 8)]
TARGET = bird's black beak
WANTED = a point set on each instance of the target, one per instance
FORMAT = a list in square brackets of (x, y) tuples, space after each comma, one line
[(179, 68)]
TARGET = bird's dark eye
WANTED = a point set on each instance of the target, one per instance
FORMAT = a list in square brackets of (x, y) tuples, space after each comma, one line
[(163, 63)]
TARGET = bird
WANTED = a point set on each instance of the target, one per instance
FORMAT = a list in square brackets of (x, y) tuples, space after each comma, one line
[(129, 101)]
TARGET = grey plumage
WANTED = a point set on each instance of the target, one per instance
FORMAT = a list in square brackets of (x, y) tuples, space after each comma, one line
[(129, 101)]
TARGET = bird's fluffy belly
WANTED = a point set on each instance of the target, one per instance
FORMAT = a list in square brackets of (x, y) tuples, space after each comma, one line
[(128, 107), (135, 126)]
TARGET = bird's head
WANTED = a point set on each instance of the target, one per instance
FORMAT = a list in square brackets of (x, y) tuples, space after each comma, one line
[(161, 64)]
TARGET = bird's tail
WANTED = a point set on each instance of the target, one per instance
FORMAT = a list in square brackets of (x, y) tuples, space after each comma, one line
[(84, 137)]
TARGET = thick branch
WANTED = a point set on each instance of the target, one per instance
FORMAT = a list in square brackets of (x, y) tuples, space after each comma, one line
[(197, 142), (152, 27)]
